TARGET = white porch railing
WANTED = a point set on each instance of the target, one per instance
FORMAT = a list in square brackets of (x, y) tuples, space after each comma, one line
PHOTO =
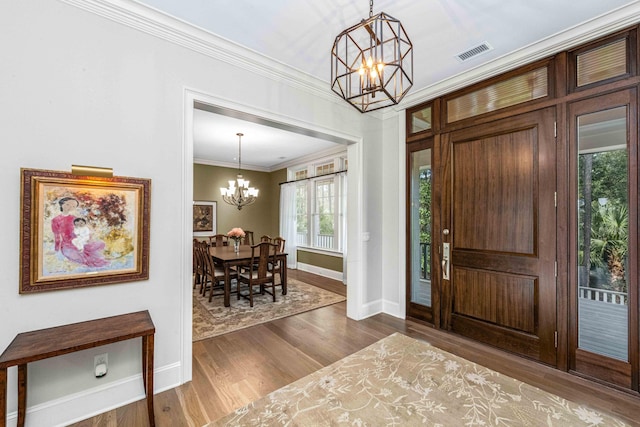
[(603, 295), (323, 241), (302, 239)]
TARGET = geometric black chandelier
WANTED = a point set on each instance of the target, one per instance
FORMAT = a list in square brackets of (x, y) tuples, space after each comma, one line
[(372, 63)]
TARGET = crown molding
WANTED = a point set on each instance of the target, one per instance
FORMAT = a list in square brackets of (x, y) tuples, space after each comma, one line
[(329, 152), (231, 165), (616, 20), (319, 156), (158, 24)]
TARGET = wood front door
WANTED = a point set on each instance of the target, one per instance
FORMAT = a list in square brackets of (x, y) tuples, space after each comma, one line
[(499, 220)]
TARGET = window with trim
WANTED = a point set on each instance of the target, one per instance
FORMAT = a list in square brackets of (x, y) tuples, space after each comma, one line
[(321, 203)]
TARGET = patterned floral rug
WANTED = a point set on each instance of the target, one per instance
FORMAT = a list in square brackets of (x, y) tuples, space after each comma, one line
[(213, 318), (400, 381)]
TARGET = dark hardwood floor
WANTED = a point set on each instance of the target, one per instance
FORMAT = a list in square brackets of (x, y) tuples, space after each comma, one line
[(237, 368)]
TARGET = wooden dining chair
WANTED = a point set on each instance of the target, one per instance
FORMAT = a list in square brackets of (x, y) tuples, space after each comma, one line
[(197, 265), (214, 276), (279, 265), (248, 238), (200, 248), (219, 240), (258, 273), (263, 238)]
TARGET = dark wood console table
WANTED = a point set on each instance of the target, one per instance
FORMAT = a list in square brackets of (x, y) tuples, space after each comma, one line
[(44, 343)]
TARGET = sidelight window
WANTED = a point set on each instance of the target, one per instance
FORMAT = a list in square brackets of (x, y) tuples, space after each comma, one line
[(603, 233)]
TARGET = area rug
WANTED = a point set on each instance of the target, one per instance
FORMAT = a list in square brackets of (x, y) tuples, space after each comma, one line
[(400, 381), (213, 318)]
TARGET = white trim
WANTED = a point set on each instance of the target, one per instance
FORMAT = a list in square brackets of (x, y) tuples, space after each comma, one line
[(231, 165), (370, 309), (355, 180), (229, 104), (393, 309), (356, 253), (159, 24), (320, 271), (328, 252), (186, 303), (163, 26), (97, 400), (301, 161), (401, 310), (593, 29)]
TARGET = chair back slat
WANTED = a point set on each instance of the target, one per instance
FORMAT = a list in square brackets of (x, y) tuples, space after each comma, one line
[(248, 238), (279, 242), (262, 255), (219, 240)]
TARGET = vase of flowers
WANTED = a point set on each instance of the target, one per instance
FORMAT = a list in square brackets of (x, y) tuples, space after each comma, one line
[(236, 234)]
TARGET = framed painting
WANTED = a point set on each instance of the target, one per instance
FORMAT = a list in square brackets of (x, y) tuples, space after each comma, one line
[(80, 231), (204, 218)]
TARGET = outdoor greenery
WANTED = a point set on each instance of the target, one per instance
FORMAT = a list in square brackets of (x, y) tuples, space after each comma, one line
[(301, 208), (324, 208), (425, 221), (425, 206), (603, 220), (325, 202)]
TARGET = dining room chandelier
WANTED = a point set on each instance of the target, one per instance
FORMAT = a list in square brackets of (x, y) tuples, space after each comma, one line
[(372, 63), (239, 193)]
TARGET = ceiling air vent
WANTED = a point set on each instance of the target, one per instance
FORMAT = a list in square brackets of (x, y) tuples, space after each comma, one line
[(474, 51)]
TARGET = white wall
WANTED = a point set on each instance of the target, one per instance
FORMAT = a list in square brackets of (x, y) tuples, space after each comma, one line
[(77, 88)]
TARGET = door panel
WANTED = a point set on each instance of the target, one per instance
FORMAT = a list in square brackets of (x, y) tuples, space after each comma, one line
[(500, 203)]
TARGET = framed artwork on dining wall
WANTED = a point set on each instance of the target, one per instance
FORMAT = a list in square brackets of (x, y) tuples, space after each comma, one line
[(78, 231), (204, 218)]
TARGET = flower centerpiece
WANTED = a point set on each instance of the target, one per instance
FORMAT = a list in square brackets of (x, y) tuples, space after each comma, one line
[(236, 234)]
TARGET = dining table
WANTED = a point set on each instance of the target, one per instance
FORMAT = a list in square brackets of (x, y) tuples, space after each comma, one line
[(227, 257)]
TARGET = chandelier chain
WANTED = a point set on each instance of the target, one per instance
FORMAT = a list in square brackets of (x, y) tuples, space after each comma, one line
[(370, 8), (239, 151)]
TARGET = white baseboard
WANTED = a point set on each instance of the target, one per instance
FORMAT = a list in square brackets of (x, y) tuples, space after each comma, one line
[(89, 403), (371, 309), (392, 309), (325, 272)]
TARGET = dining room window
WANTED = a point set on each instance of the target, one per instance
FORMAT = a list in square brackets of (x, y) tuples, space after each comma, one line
[(320, 204)]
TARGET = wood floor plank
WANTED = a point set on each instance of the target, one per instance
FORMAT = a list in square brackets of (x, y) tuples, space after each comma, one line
[(235, 369), (169, 410), (193, 409), (134, 414)]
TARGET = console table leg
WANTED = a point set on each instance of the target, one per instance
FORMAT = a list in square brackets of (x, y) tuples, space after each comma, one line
[(22, 394), (144, 363), (3, 397), (147, 374)]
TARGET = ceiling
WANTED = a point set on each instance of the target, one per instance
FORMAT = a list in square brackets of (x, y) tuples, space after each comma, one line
[(300, 33)]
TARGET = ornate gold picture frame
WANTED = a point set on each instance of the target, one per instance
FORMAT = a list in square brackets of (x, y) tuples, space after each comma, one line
[(82, 231)]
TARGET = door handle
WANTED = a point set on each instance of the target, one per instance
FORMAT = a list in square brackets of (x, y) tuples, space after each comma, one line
[(445, 261)]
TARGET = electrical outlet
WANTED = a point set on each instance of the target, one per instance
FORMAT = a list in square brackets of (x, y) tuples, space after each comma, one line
[(100, 363)]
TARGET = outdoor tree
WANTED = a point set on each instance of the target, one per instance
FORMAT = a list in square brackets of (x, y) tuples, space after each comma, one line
[(603, 218)]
